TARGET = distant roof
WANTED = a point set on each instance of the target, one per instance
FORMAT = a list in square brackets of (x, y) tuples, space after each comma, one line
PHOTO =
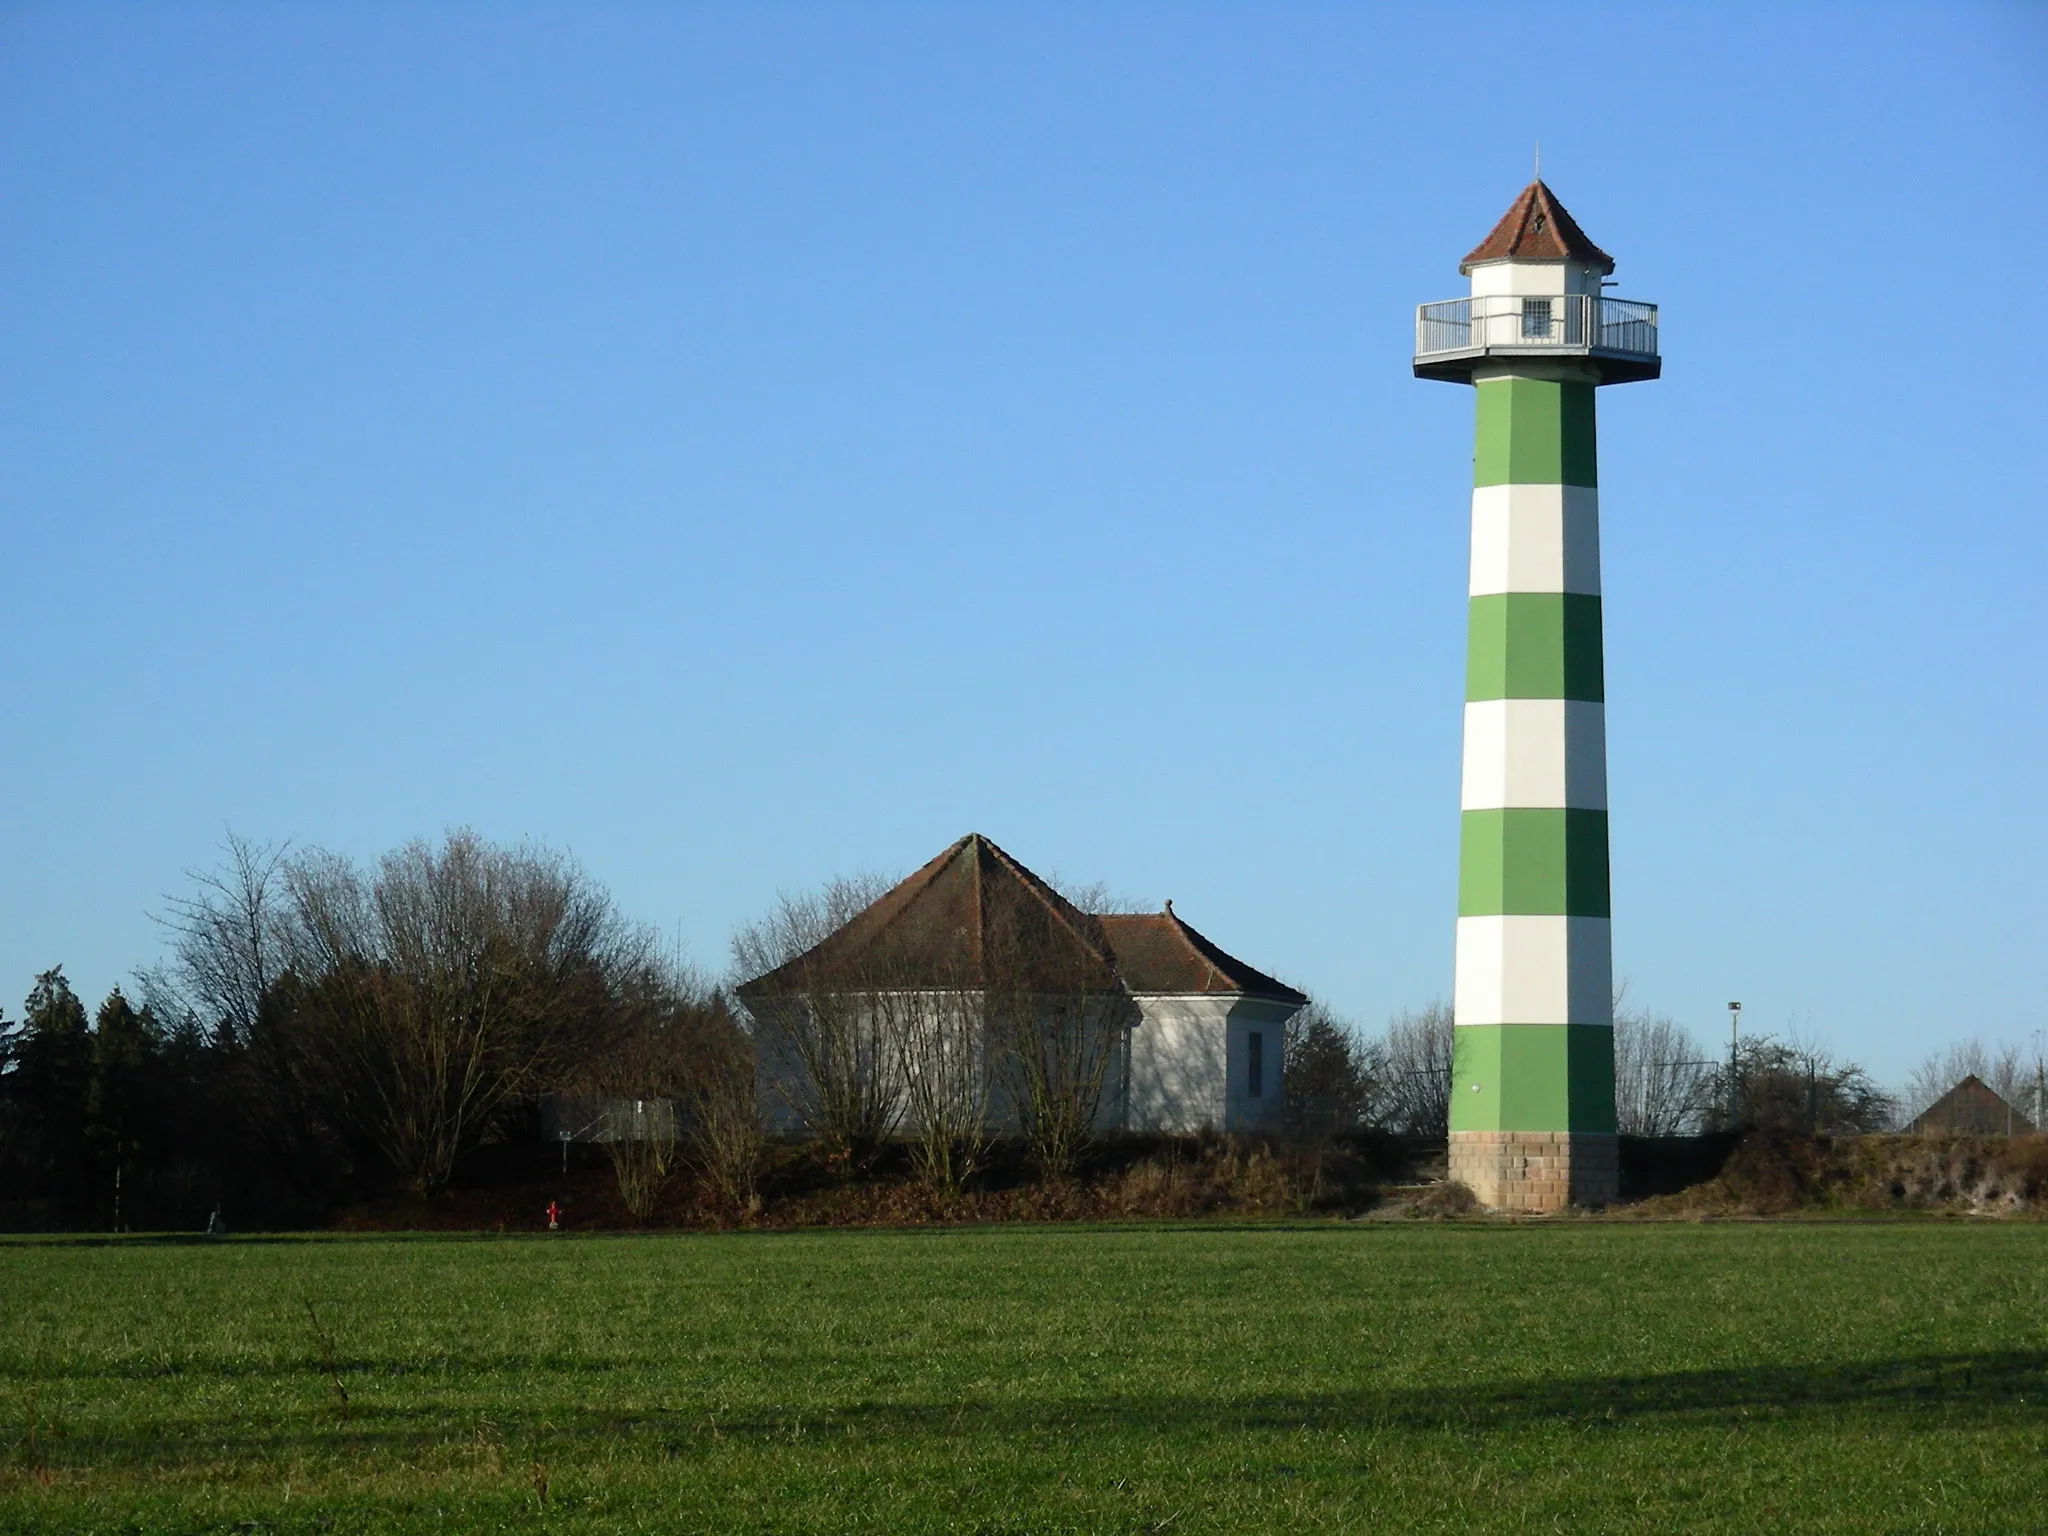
[(1158, 953), (1973, 1106), (1537, 228), (974, 914)]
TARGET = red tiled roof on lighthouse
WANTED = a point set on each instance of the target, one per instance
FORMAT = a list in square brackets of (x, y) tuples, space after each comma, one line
[(1537, 228)]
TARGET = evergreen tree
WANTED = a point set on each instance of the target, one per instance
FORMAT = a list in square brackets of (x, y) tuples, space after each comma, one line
[(11, 1125), (1334, 1080), (124, 1107), (51, 1085)]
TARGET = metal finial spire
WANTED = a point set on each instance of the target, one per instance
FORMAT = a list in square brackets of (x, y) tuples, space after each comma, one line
[(1539, 160)]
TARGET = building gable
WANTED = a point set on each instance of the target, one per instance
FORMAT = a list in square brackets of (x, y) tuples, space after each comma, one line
[(1972, 1107)]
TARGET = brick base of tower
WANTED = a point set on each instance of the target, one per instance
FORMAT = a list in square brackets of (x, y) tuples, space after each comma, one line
[(1537, 1170)]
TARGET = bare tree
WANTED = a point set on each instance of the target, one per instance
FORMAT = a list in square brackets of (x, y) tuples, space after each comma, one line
[(646, 1077), (826, 1048), (1662, 1074), (1797, 1086), (1417, 1050), (798, 924), (1061, 1023), (724, 1121), (1095, 897), (427, 995), (832, 1058), (1066, 1027), (643, 1145), (226, 941), (943, 1048), (228, 954)]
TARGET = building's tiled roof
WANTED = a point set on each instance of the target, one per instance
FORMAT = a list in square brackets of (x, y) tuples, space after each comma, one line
[(971, 918), (974, 917), (1158, 953), (1973, 1106), (1537, 228)]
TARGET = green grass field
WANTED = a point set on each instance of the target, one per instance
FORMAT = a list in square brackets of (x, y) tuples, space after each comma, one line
[(1575, 1376)]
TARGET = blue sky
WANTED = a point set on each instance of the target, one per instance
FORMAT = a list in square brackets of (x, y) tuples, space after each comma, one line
[(743, 444)]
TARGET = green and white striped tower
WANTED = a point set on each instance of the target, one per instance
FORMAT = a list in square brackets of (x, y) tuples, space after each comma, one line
[(1532, 1099)]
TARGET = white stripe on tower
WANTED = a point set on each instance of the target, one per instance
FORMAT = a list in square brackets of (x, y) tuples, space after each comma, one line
[(1535, 752), (1535, 538), (1534, 970)]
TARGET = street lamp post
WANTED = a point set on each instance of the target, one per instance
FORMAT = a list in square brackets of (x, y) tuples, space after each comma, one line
[(1734, 1033), (2040, 1082)]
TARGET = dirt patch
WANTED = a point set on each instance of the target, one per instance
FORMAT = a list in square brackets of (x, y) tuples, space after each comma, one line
[(1444, 1200)]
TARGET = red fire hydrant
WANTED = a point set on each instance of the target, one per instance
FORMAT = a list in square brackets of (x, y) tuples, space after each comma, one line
[(554, 1217)]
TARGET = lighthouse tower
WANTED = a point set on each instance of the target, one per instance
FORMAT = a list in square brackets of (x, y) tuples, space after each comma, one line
[(1532, 1096)]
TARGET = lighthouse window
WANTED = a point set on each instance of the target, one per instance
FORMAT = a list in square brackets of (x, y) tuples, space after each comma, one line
[(1536, 317), (1255, 1065)]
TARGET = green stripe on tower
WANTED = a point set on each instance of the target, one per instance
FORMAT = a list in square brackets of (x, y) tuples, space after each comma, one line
[(1533, 862), (1532, 1077), (1535, 432), (1534, 645)]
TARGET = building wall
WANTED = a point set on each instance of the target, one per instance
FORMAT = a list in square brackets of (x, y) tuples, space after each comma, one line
[(1533, 277), (1191, 1064), (1243, 1109), (1186, 1067), (1179, 1064), (778, 1071), (779, 1079)]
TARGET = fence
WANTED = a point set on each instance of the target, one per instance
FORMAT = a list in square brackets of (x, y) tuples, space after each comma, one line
[(1520, 322), (563, 1118)]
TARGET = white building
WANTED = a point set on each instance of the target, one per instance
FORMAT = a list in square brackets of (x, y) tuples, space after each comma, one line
[(1186, 1036)]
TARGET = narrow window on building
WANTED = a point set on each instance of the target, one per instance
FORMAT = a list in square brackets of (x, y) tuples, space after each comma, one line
[(1255, 1065), (1536, 319)]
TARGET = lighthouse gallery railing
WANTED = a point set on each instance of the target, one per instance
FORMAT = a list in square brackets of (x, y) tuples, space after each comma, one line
[(1578, 321)]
